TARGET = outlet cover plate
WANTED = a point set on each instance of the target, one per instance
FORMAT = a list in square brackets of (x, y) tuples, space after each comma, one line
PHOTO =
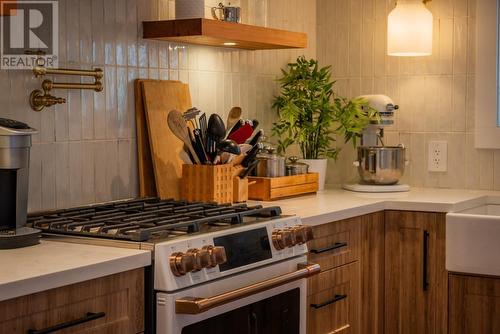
[(437, 160)]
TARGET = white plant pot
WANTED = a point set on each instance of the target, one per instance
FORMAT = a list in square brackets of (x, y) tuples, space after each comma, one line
[(318, 166)]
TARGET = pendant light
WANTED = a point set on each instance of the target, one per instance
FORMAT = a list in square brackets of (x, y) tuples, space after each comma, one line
[(409, 29)]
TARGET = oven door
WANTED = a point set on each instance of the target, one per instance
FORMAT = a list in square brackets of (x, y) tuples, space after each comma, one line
[(271, 299)]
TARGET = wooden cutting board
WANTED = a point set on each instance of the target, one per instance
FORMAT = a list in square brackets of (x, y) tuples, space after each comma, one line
[(159, 98), (147, 186)]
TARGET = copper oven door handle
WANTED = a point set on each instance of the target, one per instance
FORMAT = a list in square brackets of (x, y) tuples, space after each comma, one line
[(193, 305)]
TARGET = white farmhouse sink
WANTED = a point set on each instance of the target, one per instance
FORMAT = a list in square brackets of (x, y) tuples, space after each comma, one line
[(473, 239)]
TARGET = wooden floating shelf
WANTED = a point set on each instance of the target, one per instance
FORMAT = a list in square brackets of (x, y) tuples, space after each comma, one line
[(223, 34)]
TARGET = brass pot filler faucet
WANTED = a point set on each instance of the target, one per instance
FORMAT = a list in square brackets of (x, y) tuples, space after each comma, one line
[(40, 99)]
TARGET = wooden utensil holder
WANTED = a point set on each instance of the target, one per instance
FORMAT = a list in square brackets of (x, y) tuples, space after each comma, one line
[(272, 188), (240, 189), (207, 183)]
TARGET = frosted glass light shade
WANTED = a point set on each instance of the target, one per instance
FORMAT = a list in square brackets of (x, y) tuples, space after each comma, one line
[(409, 30)]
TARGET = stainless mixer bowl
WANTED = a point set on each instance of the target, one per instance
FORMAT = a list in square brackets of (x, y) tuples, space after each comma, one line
[(383, 165)]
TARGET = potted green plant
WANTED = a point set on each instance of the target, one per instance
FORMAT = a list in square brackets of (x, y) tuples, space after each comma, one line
[(311, 115)]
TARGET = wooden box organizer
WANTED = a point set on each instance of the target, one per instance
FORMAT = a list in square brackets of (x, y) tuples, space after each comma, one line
[(272, 188), (207, 183)]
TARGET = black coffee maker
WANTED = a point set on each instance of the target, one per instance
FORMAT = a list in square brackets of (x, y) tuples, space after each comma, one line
[(15, 143)]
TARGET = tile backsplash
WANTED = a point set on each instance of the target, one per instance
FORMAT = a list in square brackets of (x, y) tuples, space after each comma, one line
[(435, 93), (85, 151)]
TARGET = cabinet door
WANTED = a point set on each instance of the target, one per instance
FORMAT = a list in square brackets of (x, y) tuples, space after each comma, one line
[(474, 305), (111, 304), (415, 275), (334, 301), (336, 243)]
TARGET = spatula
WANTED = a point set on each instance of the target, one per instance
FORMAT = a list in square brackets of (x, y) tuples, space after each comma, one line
[(233, 117), (179, 128)]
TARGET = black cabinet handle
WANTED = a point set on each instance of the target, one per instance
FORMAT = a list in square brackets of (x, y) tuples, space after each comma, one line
[(336, 245), (425, 281), (331, 301), (88, 317)]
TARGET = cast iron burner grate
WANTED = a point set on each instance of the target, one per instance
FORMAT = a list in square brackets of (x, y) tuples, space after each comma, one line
[(146, 219)]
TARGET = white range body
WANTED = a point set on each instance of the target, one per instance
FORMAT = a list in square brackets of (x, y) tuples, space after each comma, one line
[(211, 282)]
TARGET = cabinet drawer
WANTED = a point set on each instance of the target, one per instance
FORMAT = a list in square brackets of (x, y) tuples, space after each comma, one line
[(336, 243), (333, 301), (112, 304)]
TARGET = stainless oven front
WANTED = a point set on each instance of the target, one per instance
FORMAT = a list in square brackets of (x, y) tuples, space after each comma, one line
[(269, 299)]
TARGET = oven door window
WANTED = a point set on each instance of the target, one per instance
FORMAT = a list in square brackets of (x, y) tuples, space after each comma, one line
[(279, 314)]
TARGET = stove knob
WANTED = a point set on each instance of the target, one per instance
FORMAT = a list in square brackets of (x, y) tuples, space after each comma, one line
[(201, 258), (181, 263), (217, 255), (282, 239), (302, 234)]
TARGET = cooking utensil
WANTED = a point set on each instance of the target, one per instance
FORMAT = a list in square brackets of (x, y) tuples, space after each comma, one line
[(256, 137), (233, 117), (381, 164), (199, 147), (235, 127), (203, 127), (244, 148), (241, 135), (249, 169), (179, 128), (251, 155), (215, 133), (294, 167), (190, 116), (229, 146), (255, 124)]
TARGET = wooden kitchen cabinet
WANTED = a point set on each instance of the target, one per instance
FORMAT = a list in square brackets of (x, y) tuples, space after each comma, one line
[(415, 274), (474, 304), (120, 297), (334, 301), (334, 295)]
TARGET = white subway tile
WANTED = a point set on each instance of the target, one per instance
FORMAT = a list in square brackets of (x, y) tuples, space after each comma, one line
[(98, 32), (35, 179), (62, 175), (88, 173), (124, 119), (111, 102), (49, 176), (460, 45), (85, 29), (121, 32), (75, 169), (109, 32)]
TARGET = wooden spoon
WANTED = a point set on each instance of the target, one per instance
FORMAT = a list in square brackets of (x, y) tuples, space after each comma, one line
[(233, 117), (179, 128)]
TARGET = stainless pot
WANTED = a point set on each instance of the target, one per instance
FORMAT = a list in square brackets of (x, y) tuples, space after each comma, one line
[(294, 167), (381, 165), (270, 164)]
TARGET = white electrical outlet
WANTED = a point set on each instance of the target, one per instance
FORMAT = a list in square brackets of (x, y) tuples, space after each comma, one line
[(437, 160)]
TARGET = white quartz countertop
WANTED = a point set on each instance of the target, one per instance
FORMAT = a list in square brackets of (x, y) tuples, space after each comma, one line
[(52, 264), (336, 204)]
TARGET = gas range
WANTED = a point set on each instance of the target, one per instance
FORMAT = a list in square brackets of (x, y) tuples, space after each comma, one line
[(207, 259), (149, 220)]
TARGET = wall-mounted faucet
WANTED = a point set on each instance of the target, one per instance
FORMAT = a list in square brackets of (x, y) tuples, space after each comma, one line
[(40, 99)]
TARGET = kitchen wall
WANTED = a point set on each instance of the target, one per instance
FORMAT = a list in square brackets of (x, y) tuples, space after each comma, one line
[(85, 151), (435, 94)]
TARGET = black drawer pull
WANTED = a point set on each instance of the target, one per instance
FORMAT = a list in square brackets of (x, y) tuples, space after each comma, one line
[(331, 301), (336, 245), (425, 261), (88, 317)]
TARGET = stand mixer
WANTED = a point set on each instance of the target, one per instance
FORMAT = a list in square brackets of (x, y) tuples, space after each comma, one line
[(379, 167)]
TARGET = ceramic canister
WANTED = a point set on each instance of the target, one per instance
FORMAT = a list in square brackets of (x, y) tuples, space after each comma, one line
[(189, 9)]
